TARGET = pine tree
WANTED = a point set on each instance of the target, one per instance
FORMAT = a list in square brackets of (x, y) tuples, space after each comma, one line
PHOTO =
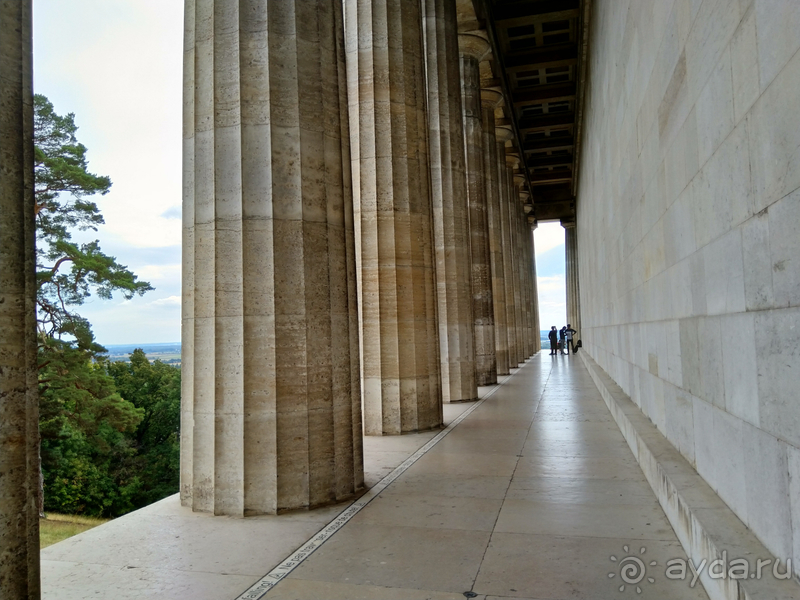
[(84, 421)]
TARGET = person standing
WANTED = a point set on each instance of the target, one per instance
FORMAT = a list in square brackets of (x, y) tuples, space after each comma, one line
[(569, 332), (553, 336), (562, 339)]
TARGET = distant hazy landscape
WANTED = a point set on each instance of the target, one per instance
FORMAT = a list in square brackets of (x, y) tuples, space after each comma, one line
[(167, 353), (171, 353)]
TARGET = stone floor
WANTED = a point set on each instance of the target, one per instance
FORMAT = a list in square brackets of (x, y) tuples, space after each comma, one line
[(533, 495)]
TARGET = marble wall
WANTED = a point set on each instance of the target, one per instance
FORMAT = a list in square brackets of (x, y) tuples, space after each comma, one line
[(688, 210)]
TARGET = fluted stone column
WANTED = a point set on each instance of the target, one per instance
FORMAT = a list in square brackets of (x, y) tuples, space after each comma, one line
[(19, 398), (499, 251), (528, 274), (573, 283), (516, 215), (490, 99), (535, 342), (521, 278), (351, 42), (402, 385), (271, 413), (187, 261), (472, 49), (524, 234), (537, 326), (449, 198), (506, 210)]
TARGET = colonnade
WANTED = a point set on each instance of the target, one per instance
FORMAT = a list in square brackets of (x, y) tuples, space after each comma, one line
[(355, 244), (355, 241)]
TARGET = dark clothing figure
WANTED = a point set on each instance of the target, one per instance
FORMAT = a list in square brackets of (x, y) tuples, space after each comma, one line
[(553, 336), (562, 338)]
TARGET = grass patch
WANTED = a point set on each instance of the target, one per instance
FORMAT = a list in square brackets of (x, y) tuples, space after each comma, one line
[(55, 527)]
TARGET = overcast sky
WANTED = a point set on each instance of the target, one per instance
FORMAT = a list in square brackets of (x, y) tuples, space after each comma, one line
[(116, 64), (552, 286)]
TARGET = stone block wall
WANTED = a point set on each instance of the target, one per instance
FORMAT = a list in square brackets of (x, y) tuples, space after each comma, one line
[(689, 238)]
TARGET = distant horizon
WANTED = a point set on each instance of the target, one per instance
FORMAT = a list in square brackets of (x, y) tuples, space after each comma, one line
[(140, 344)]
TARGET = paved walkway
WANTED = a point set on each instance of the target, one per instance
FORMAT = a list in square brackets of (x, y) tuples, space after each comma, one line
[(529, 496)]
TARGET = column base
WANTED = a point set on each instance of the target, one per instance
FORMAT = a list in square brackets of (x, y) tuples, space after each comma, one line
[(462, 401), (413, 431), (282, 511)]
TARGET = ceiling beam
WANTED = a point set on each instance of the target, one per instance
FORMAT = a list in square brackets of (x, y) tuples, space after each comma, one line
[(535, 11), (546, 121), (544, 93), (545, 160), (542, 58), (554, 176), (548, 144), (556, 210), (553, 193)]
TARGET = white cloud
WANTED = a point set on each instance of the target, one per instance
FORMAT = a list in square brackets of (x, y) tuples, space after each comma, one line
[(117, 66), (552, 301), (552, 289), (168, 301), (173, 212), (157, 274), (547, 236), (551, 284)]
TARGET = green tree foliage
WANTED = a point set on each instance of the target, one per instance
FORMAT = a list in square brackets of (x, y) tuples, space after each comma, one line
[(86, 429), (89, 430), (154, 388), (103, 455)]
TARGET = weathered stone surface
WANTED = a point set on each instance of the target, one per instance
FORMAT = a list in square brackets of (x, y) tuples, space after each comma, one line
[(492, 151), (449, 197), (515, 215), (708, 528), (19, 398), (524, 248), (537, 326), (506, 211), (402, 385), (472, 49), (572, 275), (531, 275), (687, 210), (271, 409)]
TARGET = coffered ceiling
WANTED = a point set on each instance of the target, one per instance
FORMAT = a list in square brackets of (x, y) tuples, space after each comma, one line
[(538, 57)]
